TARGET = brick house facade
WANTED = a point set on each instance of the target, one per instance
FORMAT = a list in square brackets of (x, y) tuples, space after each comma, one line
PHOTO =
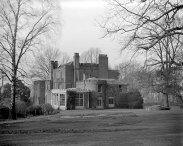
[(91, 82)]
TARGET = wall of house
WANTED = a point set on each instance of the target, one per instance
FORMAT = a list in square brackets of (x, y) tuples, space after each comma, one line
[(113, 74), (69, 76), (59, 78), (112, 91), (88, 70), (88, 84), (47, 92), (39, 92)]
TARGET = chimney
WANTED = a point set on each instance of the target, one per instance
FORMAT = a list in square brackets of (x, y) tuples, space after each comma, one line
[(53, 65), (76, 68)]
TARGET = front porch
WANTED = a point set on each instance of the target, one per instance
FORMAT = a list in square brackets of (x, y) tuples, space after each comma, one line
[(70, 99)]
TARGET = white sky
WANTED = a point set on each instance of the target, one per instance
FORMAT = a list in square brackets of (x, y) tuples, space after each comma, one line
[(80, 31)]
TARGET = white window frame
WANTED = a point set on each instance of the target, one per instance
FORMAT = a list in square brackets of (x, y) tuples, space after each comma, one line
[(80, 98)]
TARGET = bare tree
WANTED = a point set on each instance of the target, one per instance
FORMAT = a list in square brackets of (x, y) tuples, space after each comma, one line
[(139, 78), (91, 55), (153, 27), (41, 66), (137, 20), (22, 23)]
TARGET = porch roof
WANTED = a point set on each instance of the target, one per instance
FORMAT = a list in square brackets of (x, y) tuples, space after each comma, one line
[(78, 90)]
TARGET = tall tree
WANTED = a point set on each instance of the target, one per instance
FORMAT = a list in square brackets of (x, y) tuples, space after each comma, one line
[(137, 77), (22, 24), (151, 26), (41, 66)]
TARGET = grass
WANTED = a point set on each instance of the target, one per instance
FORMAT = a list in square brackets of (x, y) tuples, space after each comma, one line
[(96, 127)]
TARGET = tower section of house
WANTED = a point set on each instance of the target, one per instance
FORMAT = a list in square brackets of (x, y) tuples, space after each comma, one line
[(103, 66), (39, 92)]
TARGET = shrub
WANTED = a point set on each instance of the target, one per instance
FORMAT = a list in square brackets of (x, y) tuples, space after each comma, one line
[(47, 109), (34, 110), (131, 100), (4, 112), (55, 111)]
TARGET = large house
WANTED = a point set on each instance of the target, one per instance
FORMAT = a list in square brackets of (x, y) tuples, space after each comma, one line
[(76, 85)]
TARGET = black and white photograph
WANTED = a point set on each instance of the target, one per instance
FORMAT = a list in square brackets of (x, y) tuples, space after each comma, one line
[(91, 72)]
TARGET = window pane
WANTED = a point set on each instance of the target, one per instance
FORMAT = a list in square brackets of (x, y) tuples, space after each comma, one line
[(62, 99), (99, 102), (111, 101), (79, 100), (99, 88)]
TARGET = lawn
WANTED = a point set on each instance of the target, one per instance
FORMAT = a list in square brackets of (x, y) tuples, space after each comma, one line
[(96, 127)]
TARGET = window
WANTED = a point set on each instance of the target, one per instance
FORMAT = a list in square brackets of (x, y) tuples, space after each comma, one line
[(62, 99), (99, 102), (99, 88), (111, 101), (120, 88), (48, 86), (79, 99)]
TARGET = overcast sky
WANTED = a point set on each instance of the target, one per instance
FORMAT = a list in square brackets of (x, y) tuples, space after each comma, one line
[(81, 32)]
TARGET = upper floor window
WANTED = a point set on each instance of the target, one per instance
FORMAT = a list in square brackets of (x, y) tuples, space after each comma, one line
[(99, 88)]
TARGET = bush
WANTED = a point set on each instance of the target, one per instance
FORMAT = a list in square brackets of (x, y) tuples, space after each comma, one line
[(4, 112), (34, 110), (55, 111), (47, 109), (21, 109), (130, 100)]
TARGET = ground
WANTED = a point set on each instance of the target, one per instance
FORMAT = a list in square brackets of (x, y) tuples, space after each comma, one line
[(97, 128)]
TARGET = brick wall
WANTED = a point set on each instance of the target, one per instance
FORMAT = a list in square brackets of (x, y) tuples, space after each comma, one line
[(103, 66), (113, 74), (39, 92)]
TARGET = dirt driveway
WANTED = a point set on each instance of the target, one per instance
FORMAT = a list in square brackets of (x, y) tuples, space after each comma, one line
[(97, 128)]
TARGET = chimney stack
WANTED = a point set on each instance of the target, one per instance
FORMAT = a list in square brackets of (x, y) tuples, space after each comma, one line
[(76, 68)]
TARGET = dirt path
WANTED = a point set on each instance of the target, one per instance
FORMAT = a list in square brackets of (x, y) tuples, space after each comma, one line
[(105, 127)]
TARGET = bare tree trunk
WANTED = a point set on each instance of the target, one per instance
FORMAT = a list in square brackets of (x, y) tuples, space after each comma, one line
[(14, 117)]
